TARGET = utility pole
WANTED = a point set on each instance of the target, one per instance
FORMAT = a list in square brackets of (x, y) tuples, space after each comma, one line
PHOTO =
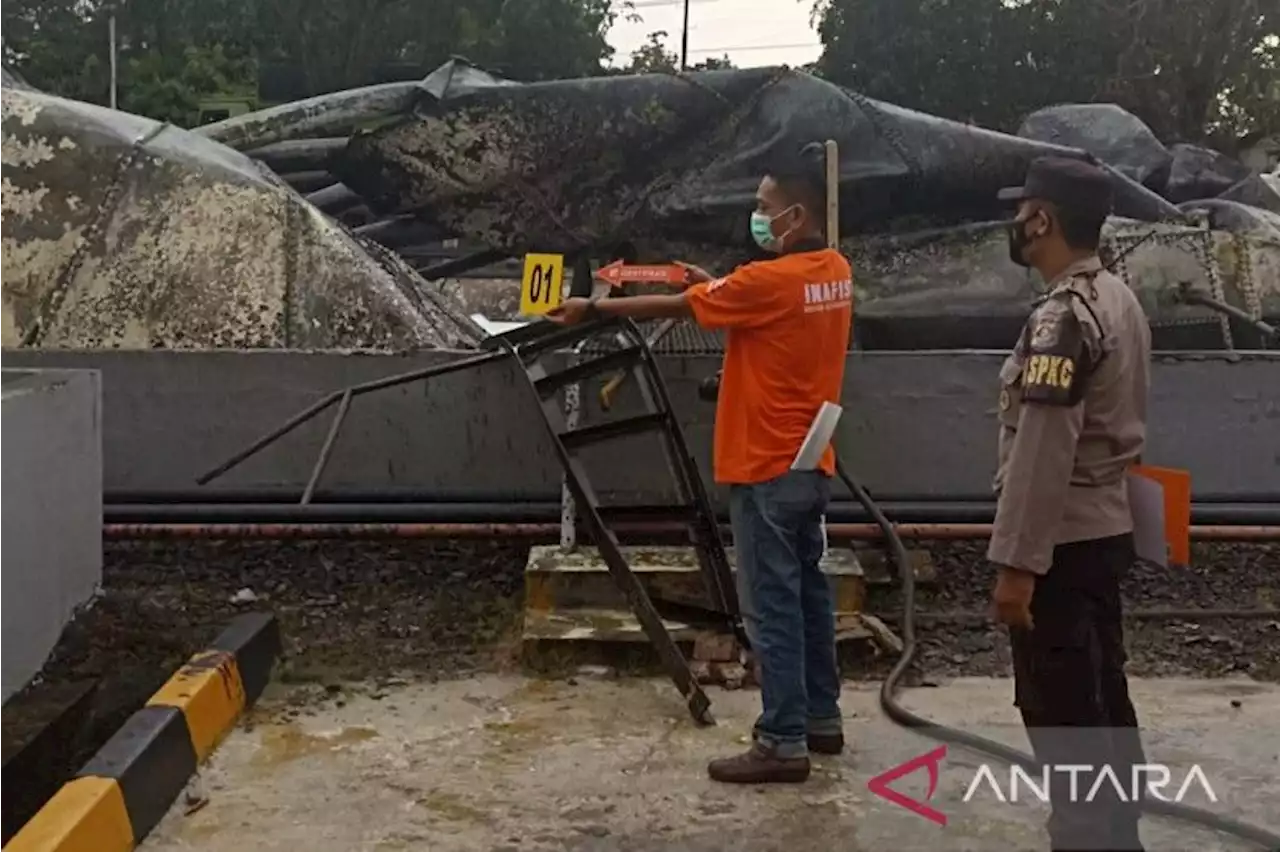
[(111, 37), (684, 39)]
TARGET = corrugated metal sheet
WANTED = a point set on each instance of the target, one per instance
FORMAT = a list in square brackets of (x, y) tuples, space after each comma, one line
[(684, 338)]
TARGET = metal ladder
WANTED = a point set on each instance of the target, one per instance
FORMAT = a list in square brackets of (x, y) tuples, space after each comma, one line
[(530, 347)]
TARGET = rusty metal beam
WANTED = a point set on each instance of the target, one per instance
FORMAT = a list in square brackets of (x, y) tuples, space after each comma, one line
[(551, 531)]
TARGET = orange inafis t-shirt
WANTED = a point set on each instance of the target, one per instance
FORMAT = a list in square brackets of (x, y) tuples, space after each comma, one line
[(788, 321)]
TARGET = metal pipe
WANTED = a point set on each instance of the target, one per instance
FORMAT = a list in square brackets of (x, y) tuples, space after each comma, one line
[(114, 59), (334, 513), (310, 181), (276, 494), (355, 390), (473, 512), (326, 451), (334, 198), (461, 265), (1195, 297), (299, 155), (414, 494), (550, 531), (932, 514)]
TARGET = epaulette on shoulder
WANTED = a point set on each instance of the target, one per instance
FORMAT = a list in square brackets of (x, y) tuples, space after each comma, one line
[(1060, 294)]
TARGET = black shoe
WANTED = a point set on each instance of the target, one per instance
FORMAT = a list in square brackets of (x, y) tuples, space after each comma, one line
[(817, 743), (826, 743)]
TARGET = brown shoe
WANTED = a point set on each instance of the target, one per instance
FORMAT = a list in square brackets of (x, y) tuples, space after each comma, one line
[(759, 765), (826, 743)]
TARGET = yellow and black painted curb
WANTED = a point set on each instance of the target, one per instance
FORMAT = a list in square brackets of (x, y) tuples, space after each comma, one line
[(127, 787)]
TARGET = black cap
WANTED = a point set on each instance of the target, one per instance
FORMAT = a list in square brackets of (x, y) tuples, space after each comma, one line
[(1071, 184)]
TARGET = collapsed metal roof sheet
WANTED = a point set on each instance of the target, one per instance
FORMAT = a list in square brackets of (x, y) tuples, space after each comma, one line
[(120, 231)]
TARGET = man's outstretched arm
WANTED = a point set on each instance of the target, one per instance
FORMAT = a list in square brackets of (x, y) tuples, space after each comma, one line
[(743, 299), (657, 306)]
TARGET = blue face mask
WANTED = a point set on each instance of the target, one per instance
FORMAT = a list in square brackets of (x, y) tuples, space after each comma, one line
[(762, 231)]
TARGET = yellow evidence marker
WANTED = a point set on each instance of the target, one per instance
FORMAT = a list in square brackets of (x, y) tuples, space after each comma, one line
[(542, 285)]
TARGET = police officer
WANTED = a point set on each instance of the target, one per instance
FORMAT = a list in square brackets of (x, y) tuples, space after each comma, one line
[(1073, 404)]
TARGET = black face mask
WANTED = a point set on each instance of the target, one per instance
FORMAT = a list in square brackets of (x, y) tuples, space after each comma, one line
[(1018, 242)]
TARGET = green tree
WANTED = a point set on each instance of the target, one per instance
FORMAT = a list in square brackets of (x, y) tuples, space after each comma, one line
[(713, 64), (652, 57), (963, 59), (170, 86), (1196, 70), (57, 45), (340, 43), (549, 39), (172, 53), (1192, 71)]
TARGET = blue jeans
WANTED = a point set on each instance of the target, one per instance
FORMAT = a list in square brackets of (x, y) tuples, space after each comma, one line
[(787, 606)]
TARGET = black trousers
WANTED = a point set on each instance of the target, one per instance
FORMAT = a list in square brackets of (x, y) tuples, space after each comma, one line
[(1071, 689)]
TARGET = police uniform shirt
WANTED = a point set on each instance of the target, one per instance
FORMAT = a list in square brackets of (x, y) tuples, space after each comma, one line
[(1073, 398)]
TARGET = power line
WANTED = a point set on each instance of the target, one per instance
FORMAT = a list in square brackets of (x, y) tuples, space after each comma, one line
[(651, 4)]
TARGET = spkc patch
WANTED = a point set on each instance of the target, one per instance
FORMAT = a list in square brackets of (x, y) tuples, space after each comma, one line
[(1050, 371)]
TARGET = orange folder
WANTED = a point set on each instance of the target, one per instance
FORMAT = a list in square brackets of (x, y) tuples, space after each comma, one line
[(1176, 485)]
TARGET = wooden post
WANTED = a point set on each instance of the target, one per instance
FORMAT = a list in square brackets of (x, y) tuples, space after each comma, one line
[(833, 193)]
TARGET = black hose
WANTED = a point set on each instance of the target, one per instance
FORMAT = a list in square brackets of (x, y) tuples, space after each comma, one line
[(943, 733)]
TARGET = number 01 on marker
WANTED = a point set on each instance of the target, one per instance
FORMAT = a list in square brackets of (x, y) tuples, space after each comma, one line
[(542, 284)]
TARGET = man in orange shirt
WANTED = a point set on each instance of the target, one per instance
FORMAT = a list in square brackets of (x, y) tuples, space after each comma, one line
[(788, 321)]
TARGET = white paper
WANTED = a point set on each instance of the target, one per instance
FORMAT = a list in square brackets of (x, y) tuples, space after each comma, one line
[(1146, 503), (495, 327), (819, 437)]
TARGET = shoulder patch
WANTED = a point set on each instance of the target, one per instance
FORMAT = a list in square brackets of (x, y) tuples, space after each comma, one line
[(1046, 324), (1055, 348)]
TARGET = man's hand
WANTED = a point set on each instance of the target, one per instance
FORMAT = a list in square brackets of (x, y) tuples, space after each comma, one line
[(571, 311), (1011, 600), (694, 274)]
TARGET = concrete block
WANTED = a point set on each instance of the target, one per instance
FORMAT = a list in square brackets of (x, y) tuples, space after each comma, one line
[(52, 515), (486, 438), (880, 570), (561, 580)]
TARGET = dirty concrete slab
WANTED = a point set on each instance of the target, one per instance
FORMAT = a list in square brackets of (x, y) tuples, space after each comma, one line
[(595, 763)]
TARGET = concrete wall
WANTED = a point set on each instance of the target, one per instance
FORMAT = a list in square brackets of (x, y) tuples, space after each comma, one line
[(52, 515), (917, 424)]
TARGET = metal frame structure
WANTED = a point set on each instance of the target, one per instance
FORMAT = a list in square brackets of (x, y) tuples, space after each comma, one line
[(530, 347)]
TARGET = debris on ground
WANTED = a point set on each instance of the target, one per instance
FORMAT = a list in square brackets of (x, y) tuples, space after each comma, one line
[(352, 610)]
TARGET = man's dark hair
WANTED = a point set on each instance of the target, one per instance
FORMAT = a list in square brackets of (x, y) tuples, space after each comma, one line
[(802, 178), (1081, 231)]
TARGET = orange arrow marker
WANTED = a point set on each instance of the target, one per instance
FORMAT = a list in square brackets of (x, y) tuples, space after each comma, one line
[(618, 273)]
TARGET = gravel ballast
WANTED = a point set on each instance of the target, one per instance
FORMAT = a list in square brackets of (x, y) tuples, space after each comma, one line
[(359, 609)]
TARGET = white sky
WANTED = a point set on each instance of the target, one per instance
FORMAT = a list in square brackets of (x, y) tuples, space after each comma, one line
[(751, 32)]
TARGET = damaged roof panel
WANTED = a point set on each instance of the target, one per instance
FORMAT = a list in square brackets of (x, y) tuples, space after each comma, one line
[(124, 232)]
